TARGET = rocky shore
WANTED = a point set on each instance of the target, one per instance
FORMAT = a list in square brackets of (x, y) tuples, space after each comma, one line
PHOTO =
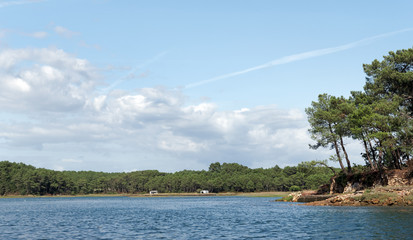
[(380, 196), (397, 191)]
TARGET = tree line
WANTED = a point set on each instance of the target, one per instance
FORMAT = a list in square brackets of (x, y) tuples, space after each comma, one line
[(22, 179), (380, 117)]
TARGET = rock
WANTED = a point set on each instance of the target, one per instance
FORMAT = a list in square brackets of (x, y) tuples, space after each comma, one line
[(308, 193), (352, 187), (295, 196), (390, 202), (324, 189), (357, 203), (336, 199), (399, 177)]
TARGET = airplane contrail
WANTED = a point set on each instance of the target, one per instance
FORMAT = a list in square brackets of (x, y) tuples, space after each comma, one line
[(124, 78), (298, 57)]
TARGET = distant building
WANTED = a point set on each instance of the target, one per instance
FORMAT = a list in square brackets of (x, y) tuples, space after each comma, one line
[(204, 192), (153, 192)]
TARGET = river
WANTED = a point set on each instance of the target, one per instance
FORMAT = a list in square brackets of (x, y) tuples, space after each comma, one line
[(195, 218)]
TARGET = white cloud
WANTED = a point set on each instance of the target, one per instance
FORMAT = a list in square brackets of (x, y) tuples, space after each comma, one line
[(44, 79), (64, 32), (168, 141), (17, 84), (155, 125), (59, 112), (71, 160), (37, 35)]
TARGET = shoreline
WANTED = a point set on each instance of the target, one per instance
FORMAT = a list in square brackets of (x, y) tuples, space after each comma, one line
[(243, 194), (379, 196)]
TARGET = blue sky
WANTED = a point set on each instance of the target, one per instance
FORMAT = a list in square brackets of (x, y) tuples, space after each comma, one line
[(173, 85)]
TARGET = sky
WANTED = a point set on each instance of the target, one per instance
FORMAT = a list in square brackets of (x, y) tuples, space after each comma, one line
[(119, 86)]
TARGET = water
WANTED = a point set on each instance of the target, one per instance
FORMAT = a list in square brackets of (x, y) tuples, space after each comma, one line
[(196, 218)]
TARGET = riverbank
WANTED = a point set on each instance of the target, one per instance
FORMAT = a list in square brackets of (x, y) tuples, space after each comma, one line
[(389, 188), (379, 196), (245, 194)]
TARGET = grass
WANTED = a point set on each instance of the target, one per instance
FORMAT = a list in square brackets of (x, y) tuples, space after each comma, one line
[(286, 199), (385, 194), (381, 197)]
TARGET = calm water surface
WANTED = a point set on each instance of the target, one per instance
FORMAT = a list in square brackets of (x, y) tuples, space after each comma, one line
[(196, 218)]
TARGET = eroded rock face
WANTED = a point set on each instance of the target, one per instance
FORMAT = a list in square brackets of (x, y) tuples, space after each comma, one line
[(385, 188), (381, 196), (397, 181), (359, 181), (353, 187), (398, 178)]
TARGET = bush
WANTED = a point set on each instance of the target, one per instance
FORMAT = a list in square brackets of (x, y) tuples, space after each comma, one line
[(295, 188), (286, 199)]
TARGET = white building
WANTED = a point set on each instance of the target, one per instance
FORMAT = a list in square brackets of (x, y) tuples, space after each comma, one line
[(204, 192), (153, 192)]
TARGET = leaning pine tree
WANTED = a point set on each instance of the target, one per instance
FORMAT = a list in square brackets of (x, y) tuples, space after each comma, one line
[(328, 121)]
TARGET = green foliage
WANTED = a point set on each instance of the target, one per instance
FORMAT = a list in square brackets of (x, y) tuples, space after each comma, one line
[(287, 199), (381, 117), (18, 178), (329, 124), (295, 188)]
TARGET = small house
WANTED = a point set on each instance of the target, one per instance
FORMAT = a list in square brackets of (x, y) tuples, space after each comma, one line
[(204, 192), (153, 192)]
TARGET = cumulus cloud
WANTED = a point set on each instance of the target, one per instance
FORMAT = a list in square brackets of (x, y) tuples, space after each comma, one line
[(44, 80), (56, 110), (163, 133)]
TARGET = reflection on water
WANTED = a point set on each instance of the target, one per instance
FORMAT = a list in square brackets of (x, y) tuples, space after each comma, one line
[(196, 218)]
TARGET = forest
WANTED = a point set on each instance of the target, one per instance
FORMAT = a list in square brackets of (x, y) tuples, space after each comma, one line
[(379, 118), (22, 179)]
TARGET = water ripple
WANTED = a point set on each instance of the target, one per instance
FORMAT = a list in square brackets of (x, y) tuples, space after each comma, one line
[(196, 218)]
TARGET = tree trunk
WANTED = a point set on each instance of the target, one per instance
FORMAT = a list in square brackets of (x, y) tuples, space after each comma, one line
[(368, 155), (338, 156), (396, 160), (333, 184), (380, 157), (373, 153), (337, 150), (345, 154), (399, 158)]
